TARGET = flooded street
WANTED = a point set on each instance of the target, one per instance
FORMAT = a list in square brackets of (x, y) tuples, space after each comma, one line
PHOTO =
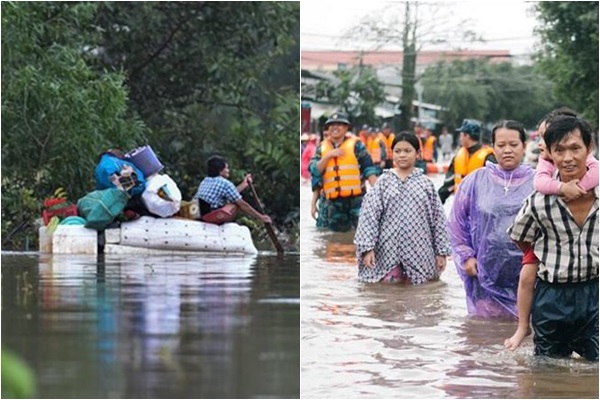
[(214, 327), (154, 327), (387, 341)]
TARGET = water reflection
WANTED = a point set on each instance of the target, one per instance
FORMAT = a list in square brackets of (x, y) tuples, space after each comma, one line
[(389, 341), (156, 327)]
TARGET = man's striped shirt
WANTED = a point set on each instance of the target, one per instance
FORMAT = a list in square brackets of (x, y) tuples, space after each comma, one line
[(567, 253)]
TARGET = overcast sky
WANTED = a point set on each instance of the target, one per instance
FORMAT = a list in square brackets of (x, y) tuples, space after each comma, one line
[(506, 25)]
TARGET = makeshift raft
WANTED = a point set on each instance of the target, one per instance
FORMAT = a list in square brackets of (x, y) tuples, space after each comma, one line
[(148, 235)]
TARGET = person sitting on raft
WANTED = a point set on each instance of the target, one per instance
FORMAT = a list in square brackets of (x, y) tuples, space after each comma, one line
[(219, 199)]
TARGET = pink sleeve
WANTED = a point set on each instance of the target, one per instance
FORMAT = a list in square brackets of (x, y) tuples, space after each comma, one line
[(590, 179), (543, 181)]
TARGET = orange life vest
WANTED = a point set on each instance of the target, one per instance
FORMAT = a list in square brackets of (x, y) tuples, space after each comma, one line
[(374, 148), (342, 174), (364, 138), (428, 148), (388, 144), (465, 163)]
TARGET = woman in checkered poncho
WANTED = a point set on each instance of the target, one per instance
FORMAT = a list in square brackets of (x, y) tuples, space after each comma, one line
[(401, 235)]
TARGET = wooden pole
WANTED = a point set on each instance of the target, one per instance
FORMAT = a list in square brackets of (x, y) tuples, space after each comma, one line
[(268, 226)]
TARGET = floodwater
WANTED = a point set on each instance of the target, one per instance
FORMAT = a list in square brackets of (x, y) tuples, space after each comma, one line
[(389, 341), (154, 327)]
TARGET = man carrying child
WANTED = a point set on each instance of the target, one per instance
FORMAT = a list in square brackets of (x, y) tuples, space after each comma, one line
[(564, 237)]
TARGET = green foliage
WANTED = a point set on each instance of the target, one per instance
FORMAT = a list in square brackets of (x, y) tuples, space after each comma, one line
[(274, 163), (214, 78), (17, 377), (569, 52), (205, 78), (488, 91), (212, 53), (57, 113), (20, 208), (358, 91)]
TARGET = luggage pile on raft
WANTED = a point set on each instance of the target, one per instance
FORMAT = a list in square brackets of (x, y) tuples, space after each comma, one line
[(135, 209)]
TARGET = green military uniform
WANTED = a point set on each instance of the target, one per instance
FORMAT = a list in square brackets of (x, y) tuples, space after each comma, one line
[(322, 217), (341, 214)]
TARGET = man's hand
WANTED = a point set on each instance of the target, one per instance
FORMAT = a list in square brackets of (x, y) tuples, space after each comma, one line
[(245, 183), (339, 152), (265, 218), (314, 210), (322, 163)]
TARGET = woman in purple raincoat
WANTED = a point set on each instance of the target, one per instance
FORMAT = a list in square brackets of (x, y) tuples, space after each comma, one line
[(486, 204)]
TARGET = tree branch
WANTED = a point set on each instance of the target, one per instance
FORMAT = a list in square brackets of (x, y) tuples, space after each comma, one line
[(16, 229), (161, 47)]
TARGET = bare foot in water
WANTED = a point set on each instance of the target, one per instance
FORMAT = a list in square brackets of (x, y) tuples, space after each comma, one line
[(515, 340)]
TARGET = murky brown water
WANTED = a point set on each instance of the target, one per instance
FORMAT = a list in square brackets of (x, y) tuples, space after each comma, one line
[(198, 327), (156, 327), (387, 341)]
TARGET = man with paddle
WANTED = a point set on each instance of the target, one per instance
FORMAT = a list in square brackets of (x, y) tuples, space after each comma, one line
[(219, 199)]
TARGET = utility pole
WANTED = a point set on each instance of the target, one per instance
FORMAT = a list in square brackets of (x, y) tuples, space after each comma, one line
[(409, 62)]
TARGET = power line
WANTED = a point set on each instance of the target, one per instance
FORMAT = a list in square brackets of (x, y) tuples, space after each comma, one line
[(353, 61), (330, 36)]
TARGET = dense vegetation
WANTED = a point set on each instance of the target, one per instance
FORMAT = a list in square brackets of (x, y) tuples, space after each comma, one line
[(488, 92), (568, 54), (357, 90), (191, 79), (564, 73)]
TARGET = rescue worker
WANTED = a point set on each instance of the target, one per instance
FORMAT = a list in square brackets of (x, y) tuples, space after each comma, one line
[(338, 167), (471, 155), (429, 146), (387, 137), (375, 147), (363, 134)]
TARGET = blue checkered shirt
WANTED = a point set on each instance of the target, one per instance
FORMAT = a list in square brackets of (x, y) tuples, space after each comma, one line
[(217, 191)]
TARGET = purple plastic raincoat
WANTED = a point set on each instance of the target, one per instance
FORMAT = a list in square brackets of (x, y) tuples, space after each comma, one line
[(485, 205)]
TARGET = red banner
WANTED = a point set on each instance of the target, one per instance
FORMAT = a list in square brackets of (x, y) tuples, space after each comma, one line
[(305, 117)]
